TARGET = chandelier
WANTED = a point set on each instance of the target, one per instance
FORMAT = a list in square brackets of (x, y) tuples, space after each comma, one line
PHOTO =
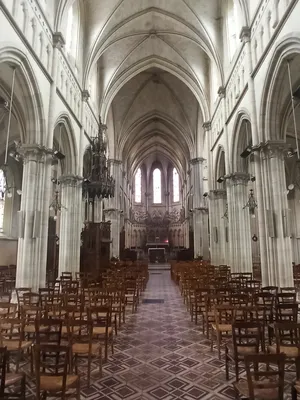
[(251, 204), (56, 205), (98, 183)]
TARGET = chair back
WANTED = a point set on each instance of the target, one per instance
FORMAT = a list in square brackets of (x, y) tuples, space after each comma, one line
[(51, 360), (247, 337), (265, 382), (48, 331)]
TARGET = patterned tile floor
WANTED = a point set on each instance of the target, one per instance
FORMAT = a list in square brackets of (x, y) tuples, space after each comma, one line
[(159, 354)]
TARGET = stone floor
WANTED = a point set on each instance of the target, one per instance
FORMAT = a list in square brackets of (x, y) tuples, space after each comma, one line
[(159, 354)]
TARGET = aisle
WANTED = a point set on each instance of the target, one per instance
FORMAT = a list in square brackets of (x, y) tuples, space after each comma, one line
[(160, 354)]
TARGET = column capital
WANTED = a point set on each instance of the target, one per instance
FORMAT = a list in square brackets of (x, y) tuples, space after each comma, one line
[(85, 95), (239, 178), (197, 160), (218, 194), (114, 161), (70, 180), (58, 40), (272, 149), (221, 92), (203, 210), (207, 126), (245, 34), (34, 152)]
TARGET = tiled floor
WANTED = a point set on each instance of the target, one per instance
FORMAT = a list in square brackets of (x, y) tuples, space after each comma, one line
[(159, 354)]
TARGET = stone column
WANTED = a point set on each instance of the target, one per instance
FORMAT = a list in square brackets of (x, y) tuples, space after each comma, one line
[(239, 223), (46, 186), (245, 37), (113, 210), (279, 249), (69, 236), (33, 231), (219, 245), (200, 213)]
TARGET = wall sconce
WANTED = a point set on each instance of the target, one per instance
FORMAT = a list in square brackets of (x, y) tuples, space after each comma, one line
[(246, 153), (221, 179)]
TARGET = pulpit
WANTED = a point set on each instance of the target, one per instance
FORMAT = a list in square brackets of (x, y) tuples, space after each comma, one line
[(95, 248)]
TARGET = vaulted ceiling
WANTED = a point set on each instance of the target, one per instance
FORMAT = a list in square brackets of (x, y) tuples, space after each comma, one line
[(153, 61)]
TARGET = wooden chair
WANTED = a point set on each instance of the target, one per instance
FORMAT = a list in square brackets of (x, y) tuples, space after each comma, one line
[(262, 382), (48, 331), (80, 334), (12, 337), (246, 339), (52, 372), (287, 340), (222, 327), (20, 292), (7, 380), (102, 326), (7, 309)]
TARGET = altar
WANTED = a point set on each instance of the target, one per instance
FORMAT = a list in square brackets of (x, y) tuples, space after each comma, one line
[(156, 255)]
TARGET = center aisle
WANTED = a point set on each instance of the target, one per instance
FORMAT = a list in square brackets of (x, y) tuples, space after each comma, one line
[(160, 354)]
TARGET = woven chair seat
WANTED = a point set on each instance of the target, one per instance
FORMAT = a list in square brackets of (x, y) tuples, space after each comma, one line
[(222, 327), (54, 383), (259, 393), (242, 350), (289, 351), (101, 330), (83, 348), (14, 345)]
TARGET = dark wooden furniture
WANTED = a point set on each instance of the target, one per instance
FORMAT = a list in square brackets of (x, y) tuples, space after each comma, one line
[(95, 247)]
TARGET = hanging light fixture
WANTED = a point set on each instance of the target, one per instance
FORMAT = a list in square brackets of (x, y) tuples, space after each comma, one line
[(98, 183), (251, 204), (56, 205), (7, 187)]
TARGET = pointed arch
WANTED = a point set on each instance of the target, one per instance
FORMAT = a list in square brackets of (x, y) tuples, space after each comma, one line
[(28, 99)]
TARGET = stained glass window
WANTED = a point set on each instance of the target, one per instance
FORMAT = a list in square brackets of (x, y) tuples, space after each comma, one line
[(138, 186), (157, 186), (2, 198), (175, 185)]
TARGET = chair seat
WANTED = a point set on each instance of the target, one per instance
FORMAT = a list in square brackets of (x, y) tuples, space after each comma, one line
[(74, 329), (31, 328), (222, 327), (242, 350), (289, 351), (11, 378), (259, 393), (54, 383), (14, 345), (101, 330), (83, 348)]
